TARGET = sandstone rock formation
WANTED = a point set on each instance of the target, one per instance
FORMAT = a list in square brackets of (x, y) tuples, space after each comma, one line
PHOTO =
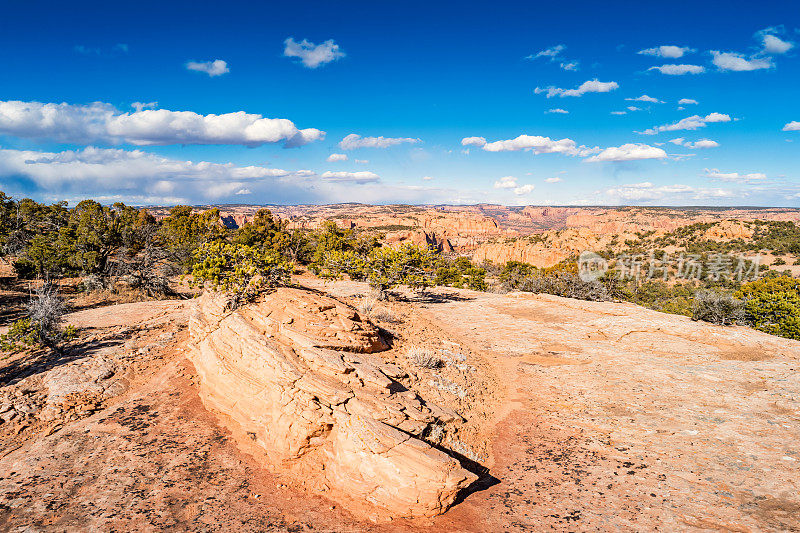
[(298, 372)]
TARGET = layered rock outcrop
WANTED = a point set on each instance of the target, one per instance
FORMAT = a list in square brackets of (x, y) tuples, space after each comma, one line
[(299, 374)]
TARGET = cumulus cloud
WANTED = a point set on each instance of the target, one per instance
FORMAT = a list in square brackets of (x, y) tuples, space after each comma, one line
[(506, 182), (667, 51), (351, 177), (353, 141), (337, 157), (138, 106), (590, 86), (633, 108), (558, 110), (792, 126), (776, 45), (771, 43), (679, 70), (570, 65), (536, 144), (100, 122), (738, 62), (701, 144), (473, 141), (715, 174), (217, 67), (510, 183), (645, 98), (628, 152), (312, 55), (689, 123), (552, 180), (98, 171), (647, 191), (687, 101)]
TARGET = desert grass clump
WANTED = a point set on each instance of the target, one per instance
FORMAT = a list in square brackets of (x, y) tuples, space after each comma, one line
[(718, 308), (423, 358), (366, 305)]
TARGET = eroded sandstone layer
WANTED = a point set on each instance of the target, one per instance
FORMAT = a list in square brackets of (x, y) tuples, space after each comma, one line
[(298, 373)]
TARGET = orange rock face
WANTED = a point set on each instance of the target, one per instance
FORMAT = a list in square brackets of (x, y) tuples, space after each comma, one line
[(298, 372)]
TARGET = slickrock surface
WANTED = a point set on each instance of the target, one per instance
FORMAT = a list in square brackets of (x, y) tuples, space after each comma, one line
[(298, 373), (588, 417)]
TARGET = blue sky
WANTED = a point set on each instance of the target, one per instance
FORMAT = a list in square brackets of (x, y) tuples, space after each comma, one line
[(448, 102)]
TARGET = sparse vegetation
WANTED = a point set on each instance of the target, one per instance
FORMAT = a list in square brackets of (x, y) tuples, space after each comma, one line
[(42, 326), (717, 308), (423, 358)]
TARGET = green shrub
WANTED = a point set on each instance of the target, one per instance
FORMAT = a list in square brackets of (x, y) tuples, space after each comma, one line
[(240, 271), (773, 305)]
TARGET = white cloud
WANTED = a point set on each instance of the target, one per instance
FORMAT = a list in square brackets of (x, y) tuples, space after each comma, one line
[(217, 67), (243, 191), (645, 98), (506, 182), (679, 70), (554, 54), (353, 141), (646, 191), (95, 171), (738, 63), (100, 122), (771, 43), (668, 51), (351, 177), (427, 178), (792, 126), (715, 174), (552, 180), (510, 182), (361, 161), (138, 106), (776, 45), (557, 110), (313, 55), (536, 144), (701, 144), (550, 53), (619, 112), (628, 152), (689, 123), (633, 108), (687, 101), (337, 157), (473, 141), (590, 86)]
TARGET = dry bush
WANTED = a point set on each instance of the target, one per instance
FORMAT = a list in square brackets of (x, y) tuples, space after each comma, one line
[(366, 305), (423, 358), (722, 309)]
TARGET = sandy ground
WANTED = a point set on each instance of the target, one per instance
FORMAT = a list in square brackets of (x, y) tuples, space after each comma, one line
[(602, 417)]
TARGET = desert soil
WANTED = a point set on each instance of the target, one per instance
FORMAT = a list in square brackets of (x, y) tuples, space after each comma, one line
[(588, 416)]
